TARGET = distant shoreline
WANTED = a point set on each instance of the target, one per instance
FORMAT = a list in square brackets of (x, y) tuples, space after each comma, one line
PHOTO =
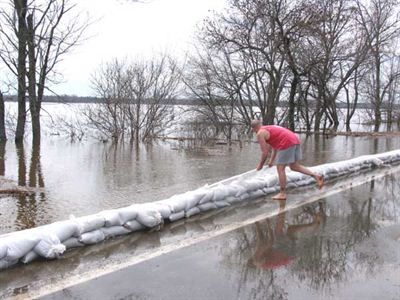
[(63, 99)]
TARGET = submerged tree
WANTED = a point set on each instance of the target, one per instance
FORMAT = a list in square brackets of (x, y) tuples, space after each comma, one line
[(136, 98), (35, 36), (380, 22)]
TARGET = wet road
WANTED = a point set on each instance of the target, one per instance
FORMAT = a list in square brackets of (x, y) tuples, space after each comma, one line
[(339, 243)]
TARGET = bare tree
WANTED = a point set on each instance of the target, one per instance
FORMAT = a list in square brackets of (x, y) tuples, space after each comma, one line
[(52, 32), (40, 32), (247, 30), (136, 98), (13, 40), (380, 22), (340, 55)]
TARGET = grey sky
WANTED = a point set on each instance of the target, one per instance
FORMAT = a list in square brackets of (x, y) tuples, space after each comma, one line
[(128, 29)]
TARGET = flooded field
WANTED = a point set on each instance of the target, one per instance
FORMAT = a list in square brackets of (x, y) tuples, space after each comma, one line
[(86, 177)]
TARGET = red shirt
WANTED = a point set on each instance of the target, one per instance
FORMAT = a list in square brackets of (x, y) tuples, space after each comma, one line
[(281, 138)]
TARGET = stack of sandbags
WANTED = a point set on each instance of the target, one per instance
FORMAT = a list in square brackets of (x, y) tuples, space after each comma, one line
[(50, 241)]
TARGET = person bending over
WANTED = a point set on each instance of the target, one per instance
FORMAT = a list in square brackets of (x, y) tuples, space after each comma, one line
[(285, 149)]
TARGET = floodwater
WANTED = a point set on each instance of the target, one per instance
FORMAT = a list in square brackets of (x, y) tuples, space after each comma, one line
[(86, 177), (339, 243), (81, 178)]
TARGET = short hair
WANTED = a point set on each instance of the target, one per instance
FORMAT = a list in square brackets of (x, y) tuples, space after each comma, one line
[(254, 123)]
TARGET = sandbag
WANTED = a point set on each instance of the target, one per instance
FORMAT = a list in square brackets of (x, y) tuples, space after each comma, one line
[(5, 264), (193, 211), (63, 229), (89, 223), (128, 213), (177, 216), (3, 250), (31, 256), (92, 237), (208, 196), (162, 208), (177, 203), (134, 225), (220, 193), (193, 198), (207, 206), (149, 217), (113, 231), (49, 246), (20, 244), (72, 242), (111, 217)]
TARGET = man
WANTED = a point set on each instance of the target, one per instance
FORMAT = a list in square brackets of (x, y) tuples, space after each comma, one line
[(285, 149)]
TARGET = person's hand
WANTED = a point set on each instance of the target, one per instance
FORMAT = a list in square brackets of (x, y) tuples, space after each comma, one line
[(270, 164), (259, 168)]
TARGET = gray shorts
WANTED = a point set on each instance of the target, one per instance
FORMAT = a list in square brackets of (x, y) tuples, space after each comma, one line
[(289, 155)]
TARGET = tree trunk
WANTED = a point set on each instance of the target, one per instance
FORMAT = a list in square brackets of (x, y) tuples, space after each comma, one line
[(2, 158), (21, 8), (3, 136), (293, 87), (33, 99)]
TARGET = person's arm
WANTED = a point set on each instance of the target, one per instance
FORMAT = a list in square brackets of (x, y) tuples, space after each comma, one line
[(262, 137), (272, 159)]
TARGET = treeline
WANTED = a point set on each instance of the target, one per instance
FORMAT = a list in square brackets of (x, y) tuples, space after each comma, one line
[(298, 63)]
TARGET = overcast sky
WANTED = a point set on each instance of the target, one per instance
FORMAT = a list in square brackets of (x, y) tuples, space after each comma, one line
[(129, 29)]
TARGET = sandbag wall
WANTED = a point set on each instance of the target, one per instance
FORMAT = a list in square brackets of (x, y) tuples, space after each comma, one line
[(50, 241)]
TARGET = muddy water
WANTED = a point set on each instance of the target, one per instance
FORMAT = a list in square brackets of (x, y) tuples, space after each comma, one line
[(87, 177)]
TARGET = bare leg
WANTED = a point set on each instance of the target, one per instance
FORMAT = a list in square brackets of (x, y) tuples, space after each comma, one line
[(282, 183), (299, 168)]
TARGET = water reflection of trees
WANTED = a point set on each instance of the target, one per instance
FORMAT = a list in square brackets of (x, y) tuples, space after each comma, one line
[(323, 247), (27, 206)]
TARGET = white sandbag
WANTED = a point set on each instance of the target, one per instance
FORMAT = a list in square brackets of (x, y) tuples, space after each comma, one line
[(177, 216), (20, 244), (207, 206), (257, 194), (111, 217), (5, 264), (31, 256), (128, 213), (134, 225), (49, 246), (221, 203), (220, 193), (240, 190), (162, 208), (208, 196), (270, 190), (113, 231), (177, 203), (193, 198), (254, 184), (149, 217), (271, 181), (231, 199), (244, 196), (3, 250), (92, 237), (72, 242), (63, 229), (89, 223), (193, 211)]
